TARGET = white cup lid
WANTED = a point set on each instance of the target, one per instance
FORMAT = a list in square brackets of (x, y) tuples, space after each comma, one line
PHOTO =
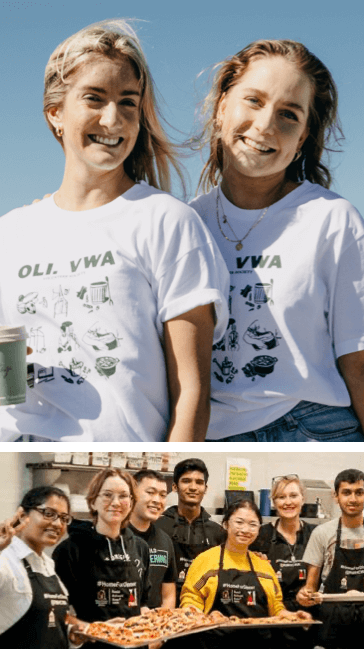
[(9, 334)]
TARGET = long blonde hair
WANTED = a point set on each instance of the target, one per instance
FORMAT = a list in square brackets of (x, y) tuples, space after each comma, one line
[(153, 153), (323, 120)]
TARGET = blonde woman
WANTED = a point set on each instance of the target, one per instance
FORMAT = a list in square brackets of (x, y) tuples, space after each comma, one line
[(293, 354), (120, 286), (285, 540)]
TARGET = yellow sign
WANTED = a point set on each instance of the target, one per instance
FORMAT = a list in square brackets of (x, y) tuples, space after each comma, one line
[(237, 474)]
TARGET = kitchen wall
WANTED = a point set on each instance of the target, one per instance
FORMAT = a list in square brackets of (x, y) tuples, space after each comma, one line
[(15, 478)]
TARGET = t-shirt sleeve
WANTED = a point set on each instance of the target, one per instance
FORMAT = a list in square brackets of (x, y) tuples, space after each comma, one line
[(190, 271), (347, 305), (314, 553)]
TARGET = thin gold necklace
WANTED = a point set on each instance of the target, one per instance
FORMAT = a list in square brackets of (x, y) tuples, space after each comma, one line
[(239, 242)]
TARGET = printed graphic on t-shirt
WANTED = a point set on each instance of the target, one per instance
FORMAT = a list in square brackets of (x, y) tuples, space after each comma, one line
[(158, 557), (58, 303), (250, 296)]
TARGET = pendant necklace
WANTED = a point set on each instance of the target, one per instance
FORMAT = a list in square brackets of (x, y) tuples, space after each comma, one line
[(239, 242)]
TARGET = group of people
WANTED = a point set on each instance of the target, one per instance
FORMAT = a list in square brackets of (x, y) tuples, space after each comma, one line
[(135, 553), (137, 308)]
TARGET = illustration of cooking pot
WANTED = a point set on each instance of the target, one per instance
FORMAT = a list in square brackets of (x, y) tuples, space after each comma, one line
[(260, 366), (225, 367), (106, 365)]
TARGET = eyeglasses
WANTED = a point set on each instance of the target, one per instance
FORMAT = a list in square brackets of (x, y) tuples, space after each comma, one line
[(51, 515), (108, 496), (290, 476), (254, 527)]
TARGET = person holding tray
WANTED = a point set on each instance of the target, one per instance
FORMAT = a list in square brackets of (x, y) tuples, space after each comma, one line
[(151, 499), (33, 600), (234, 581), (284, 542), (103, 564), (335, 558)]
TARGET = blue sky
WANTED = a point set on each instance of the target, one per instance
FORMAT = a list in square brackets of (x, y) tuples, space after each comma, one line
[(180, 40)]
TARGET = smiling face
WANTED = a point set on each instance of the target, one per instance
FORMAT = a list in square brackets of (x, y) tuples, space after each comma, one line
[(288, 501), (263, 118), (242, 529), (350, 498), (100, 115), (112, 504), (151, 499), (40, 532), (191, 488)]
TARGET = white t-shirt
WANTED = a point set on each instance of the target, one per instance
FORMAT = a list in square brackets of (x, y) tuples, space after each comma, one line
[(320, 549), (93, 289), (296, 304)]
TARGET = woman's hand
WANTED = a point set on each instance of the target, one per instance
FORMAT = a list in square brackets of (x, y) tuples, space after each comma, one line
[(155, 645), (261, 555), (12, 526), (79, 627), (288, 615), (116, 620)]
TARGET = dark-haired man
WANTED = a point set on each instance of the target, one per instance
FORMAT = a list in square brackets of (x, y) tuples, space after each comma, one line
[(335, 558), (151, 500), (187, 523)]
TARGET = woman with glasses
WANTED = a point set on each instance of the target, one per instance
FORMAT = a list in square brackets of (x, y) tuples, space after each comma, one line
[(284, 542), (234, 581), (33, 600), (102, 563)]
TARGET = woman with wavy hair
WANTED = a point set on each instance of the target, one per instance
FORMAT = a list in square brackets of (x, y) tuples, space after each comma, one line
[(290, 367), (119, 284)]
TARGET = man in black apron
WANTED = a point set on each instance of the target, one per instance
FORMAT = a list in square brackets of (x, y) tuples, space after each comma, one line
[(43, 625), (188, 524), (347, 573), (340, 568)]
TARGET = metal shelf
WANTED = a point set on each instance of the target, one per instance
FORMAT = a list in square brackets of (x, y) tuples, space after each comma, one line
[(81, 467)]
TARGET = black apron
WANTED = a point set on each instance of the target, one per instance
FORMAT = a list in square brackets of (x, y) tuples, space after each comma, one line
[(291, 572), (185, 553), (289, 568), (238, 593), (43, 625), (113, 588), (347, 573)]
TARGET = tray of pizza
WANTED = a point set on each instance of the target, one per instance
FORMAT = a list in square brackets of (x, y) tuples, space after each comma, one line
[(167, 624), (350, 596), (157, 624), (267, 622)]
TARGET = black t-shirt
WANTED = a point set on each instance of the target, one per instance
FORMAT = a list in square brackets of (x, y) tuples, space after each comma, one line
[(162, 564)]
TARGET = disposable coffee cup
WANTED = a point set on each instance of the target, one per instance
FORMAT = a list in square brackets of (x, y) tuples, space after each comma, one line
[(13, 366)]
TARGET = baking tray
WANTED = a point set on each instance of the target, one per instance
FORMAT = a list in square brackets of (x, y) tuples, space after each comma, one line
[(269, 625), (142, 643), (199, 629), (339, 597)]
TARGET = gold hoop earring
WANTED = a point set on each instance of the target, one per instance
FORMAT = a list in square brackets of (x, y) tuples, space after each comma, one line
[(297, 156), (59, 131)]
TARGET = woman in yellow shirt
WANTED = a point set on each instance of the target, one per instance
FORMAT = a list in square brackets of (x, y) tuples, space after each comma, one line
[(232, 580)]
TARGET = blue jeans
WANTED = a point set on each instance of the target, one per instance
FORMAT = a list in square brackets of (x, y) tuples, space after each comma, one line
[(306, 422)]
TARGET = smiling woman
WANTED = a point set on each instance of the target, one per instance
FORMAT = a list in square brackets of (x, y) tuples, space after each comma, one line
[(292, 358), (104, 566), (33, 601), (128, 288)]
